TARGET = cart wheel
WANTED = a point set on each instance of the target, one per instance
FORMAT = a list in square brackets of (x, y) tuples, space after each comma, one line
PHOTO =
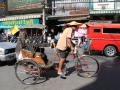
[(27, 71)]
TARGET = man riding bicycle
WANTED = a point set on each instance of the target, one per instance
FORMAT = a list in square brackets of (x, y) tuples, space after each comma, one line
[(64, 44)]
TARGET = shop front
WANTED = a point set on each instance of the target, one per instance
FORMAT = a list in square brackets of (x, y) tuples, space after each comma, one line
[(5, 26), (20, 12)]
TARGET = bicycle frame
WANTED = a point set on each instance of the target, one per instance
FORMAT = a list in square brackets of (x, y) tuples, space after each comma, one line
[(76, 56)]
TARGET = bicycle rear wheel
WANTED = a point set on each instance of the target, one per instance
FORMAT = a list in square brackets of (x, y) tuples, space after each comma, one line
[(86, 66), (27, 71)]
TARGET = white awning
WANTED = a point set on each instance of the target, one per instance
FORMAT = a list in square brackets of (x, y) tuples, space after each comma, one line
[(17, 17), (68, 17)]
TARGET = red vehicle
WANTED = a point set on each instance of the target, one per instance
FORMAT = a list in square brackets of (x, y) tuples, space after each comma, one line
[(104, 38)]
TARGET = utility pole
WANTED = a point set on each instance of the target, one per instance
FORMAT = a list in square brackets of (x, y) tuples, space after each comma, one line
[(44, 3), (44, 19), (43, 12)]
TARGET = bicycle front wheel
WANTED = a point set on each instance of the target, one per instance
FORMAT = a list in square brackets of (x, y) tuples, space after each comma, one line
[(86, 66)]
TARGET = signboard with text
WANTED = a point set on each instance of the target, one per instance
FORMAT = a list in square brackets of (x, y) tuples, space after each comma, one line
[(11, 23), (23, 4), (2, 8)]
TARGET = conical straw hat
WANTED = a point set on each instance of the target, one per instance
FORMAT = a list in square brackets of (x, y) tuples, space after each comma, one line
[(73, 23), (83, 25)]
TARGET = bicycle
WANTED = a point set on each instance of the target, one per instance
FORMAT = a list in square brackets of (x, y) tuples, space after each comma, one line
[(85, 65), (32, 60)]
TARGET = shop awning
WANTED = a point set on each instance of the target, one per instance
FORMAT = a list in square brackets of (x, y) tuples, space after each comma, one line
[(38, 26), (17, 17), (77, 18), (68, 17), (60, 25)]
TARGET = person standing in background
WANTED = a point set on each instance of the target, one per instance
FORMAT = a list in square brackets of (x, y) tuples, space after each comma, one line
[(52, 43), (82, 33), (49, 39)]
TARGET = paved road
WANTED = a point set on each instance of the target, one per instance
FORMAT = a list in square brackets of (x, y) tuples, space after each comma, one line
[(107, 79)]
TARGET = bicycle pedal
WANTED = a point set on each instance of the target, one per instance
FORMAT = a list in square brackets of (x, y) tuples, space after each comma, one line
[(86, 74)]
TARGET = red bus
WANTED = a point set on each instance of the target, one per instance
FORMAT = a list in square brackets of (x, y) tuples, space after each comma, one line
[(104, 38)]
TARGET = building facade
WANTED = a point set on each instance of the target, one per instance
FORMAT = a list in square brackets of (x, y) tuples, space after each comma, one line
[(105, 10), (21, 12), (64, 11)]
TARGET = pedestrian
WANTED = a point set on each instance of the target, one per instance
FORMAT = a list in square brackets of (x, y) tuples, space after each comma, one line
[(42, 36), (65, 45), (9, 36), (49, 39), (82, 33), (4, 36), (52, 43), (12, 38)]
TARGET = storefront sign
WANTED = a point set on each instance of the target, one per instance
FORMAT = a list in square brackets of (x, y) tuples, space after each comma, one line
[(18, 22), (2, 8), (23, 4), (70, 7), (20, 2), (2, 5)]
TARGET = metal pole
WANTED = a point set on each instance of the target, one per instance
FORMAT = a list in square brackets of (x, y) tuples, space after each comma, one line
[(54, 8), (44, 15), (43, 12)]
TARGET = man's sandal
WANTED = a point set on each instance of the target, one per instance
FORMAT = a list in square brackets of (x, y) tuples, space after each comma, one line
[(63, 76)]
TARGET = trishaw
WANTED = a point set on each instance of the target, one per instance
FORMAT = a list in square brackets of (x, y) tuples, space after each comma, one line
[(32, 60)]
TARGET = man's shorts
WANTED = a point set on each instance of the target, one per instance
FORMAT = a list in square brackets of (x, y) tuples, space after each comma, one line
[(63, 53)]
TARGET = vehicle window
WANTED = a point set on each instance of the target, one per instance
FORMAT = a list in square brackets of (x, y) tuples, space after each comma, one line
[(96, 30), (111, 30)]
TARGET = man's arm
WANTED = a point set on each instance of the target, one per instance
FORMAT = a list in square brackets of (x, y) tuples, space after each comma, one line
[(70, 44)]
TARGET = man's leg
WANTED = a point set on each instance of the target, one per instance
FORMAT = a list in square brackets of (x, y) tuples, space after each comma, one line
[(62, 60), (63, 56)]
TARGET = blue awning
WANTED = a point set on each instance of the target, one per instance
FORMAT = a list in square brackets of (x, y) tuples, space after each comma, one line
[(60, 25)]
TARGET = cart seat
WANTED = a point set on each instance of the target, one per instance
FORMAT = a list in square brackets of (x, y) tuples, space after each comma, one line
[(44, 62)]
